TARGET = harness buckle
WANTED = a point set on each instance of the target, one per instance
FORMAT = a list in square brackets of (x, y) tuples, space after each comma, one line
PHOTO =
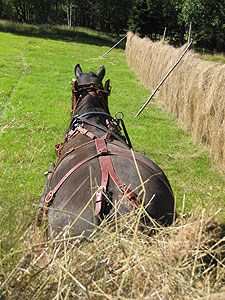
[(98, 200), (49, 197)]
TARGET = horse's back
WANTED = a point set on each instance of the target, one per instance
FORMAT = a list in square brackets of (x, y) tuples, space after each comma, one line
[(147, 180), (75, 200)]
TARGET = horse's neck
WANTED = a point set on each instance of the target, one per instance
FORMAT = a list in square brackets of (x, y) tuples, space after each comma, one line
[(91, 103)]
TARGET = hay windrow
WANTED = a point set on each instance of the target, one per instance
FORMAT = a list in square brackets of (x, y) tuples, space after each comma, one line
[(184, 261), (194, 92)]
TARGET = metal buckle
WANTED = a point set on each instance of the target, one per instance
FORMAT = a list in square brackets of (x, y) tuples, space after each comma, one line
[(49, 197)]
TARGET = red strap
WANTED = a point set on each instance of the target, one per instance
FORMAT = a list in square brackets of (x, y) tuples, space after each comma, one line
[(52, 193), (86, 132), (101, 148), (106, 163), (108, 170)]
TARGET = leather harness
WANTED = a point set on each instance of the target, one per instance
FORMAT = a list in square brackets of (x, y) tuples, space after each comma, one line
[(102, 152), (107, 169), (80, 91)]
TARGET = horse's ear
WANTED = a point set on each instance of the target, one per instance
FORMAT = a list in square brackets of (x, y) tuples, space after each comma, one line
[(78, 71), (101, 72)]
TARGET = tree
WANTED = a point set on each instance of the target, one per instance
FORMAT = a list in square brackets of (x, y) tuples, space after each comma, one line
[(140, 18), (208, 22), (150, 17), (115, 15), (20, 10), (173, 20)]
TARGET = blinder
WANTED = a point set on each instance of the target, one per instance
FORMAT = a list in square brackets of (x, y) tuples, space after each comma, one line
[(80, 91)]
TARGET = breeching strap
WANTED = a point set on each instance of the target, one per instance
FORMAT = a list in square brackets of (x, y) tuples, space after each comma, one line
[(107, 171), (52, 193)]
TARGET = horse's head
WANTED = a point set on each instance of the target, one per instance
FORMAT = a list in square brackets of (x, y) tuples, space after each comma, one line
[(91, 77), (88, 93)]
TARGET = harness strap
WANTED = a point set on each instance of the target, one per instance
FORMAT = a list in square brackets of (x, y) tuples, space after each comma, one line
[(90, 88), (108, 171), (52, 193), (86, 132)]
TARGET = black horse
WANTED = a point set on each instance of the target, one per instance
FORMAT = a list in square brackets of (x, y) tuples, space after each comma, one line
[(98, 174)]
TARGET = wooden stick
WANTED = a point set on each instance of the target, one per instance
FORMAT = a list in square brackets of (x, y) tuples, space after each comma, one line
[(113, 46), (164, 34), (189, 33), (164, 78)]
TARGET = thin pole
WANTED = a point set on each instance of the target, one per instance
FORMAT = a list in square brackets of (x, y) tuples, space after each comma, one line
[(113, 46), (164, 78), (164, 34), (189, 33)]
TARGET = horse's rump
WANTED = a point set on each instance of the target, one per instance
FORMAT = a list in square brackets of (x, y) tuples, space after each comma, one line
[(76, 197)]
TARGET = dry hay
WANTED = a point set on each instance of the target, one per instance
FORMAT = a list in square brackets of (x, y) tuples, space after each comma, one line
[(194, 92), (184, 261)]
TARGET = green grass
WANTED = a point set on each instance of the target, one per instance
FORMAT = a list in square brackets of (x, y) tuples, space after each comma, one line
[(220, 58), (36, 69)]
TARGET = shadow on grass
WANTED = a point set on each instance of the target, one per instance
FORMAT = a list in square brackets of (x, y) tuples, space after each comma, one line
[(63, 33)]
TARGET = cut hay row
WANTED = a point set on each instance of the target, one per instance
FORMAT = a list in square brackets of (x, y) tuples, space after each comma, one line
[(185, 261), (194, 92)]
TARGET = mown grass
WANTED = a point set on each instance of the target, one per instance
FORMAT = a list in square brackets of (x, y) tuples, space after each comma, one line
[(184, 261), (35, 112)]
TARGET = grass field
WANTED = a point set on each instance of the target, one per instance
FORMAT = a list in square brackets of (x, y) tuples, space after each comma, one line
[(36, 69), (220, 58)]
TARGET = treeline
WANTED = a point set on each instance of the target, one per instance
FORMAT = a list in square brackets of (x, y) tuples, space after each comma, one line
[(151, 17), (103, 15), (147, 17)]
